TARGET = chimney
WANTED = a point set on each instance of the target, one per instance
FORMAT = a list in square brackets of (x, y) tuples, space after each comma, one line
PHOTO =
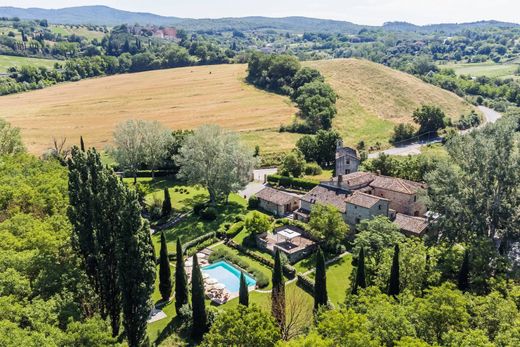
[(378, 172), (339, 143)]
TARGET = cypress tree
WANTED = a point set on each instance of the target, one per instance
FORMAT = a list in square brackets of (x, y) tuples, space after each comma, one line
[(136, 264), (243, 293), (200, 318), (181, 280), (278, 292), (165, 276), (167, 203), (463, 278), (320, 283), (360, 273), (393, 285), (82, 144)]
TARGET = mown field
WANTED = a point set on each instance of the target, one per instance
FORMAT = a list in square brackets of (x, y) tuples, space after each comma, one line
[(67, 30), (7, 61), (488, 69), (371, 100)]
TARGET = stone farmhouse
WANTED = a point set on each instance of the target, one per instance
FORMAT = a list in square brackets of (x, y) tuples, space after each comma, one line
[(347, 159), (277, 202), (363, 195)]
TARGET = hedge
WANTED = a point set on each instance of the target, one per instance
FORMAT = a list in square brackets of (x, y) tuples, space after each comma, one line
[(306, 284), (291, 182), (195, 242), (287, 269)]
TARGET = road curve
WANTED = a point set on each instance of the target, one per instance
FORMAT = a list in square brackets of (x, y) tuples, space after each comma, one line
[(490, 116)]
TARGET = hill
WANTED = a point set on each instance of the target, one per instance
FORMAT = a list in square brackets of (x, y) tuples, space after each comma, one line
[(104, 15), (372, 98)]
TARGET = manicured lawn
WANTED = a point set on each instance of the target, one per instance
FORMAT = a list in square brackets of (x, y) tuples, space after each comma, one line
[(306, 264), (338, 279), (324, 176), (155, 328)]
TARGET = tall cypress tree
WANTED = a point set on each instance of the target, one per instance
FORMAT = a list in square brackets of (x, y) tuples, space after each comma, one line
[(278, 292), (320, 283), (165, 276), (136, 269), (463, 278), (243, 293), (81, 144), (200, 318), (394, 283), (360, 273), (167, 203), (181, 280)]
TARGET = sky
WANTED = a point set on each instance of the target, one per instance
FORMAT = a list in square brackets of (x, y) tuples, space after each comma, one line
[(369, 12)]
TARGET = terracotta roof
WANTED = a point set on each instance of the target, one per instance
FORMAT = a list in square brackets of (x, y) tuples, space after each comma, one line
[(275, 196), (327, 196), (346, 151), (411, 225), (363, 200), (396, 184), (358, 178)]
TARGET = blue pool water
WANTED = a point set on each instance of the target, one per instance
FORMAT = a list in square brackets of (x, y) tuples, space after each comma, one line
[(228, 275)]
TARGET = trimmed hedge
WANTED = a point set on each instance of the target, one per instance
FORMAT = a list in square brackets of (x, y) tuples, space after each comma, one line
[(195, 242), (306, 284), (288, 270), (291, 182)]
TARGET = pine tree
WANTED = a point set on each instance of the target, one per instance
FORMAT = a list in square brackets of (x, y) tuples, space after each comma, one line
[(165, 276), (136, 264), (463, 278), (360, 273), (320, 283), (167, 203), (394, 284), (278, 291), (82, 144), (181, 280), (243, 293), (200, 318)]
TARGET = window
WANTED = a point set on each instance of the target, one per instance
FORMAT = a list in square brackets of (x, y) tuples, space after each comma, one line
[(379, 206), (348, 161), (358, 220), (415, 198)]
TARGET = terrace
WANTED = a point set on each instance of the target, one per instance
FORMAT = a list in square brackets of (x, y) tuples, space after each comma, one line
[(288, 240)]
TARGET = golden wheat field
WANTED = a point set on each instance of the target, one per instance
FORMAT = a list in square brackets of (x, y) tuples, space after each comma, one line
[(371, 100), (180, 98)]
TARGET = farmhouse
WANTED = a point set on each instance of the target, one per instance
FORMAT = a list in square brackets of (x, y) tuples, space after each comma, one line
[(289, 240), (277, 202), (363, 195), (321, 194), (347, 159)]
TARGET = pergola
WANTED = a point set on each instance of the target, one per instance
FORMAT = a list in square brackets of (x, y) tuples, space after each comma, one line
[(287, 235)]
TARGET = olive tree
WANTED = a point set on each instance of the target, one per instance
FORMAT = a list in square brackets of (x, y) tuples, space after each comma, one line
[(10, 139), (215, 159)]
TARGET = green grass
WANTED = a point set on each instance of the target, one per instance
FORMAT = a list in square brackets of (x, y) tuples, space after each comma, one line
[(7, 61), (489, 69), (81, 31), (435, 151), (338, 274), (324, 176)]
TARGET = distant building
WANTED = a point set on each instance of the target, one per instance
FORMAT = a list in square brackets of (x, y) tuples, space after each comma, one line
[(364, 206), (289, 240), (347, 159), (277, 202)]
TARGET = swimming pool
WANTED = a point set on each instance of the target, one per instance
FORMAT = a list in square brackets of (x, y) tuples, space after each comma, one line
[(228, 275)]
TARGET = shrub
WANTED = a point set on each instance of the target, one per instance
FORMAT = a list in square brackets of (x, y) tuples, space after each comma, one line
[(312, 169), (290, 182), (198, 243), (198, 207), (235, 229), (209, 213), (306, 284), (402, 132), (253, 202)]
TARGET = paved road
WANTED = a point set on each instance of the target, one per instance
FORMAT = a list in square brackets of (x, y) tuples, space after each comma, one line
[(490, 116)]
